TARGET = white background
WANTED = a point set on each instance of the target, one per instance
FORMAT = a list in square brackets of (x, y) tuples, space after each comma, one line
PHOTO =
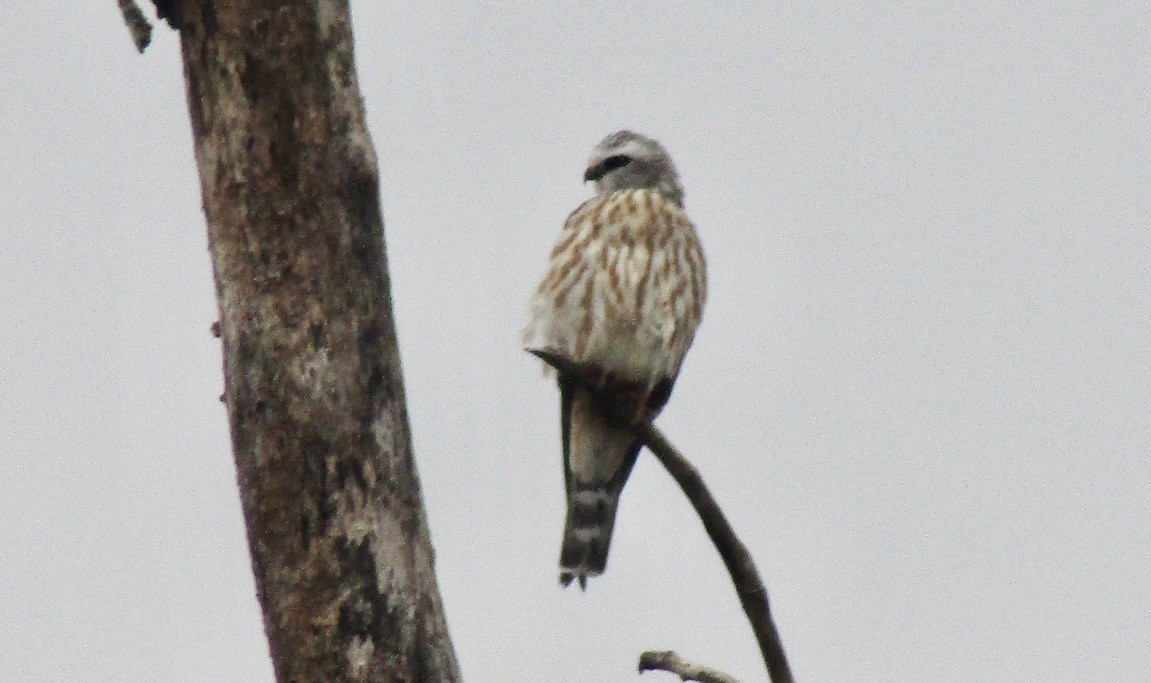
[(922, 389)]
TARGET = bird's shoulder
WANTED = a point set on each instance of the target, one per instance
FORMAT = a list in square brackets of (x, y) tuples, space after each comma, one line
[(627, 214)]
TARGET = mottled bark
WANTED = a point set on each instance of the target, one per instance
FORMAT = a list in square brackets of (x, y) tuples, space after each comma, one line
[(315, 398)]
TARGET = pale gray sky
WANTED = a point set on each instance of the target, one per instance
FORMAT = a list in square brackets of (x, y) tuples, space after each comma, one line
[(922, 389)]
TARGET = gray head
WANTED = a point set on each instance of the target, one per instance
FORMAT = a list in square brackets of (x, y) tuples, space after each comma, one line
[(626, 160)]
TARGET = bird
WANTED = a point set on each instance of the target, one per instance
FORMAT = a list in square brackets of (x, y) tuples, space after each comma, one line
[(619, 305)]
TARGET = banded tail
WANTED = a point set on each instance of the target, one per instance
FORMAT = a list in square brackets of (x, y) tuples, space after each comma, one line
[(598, 457)]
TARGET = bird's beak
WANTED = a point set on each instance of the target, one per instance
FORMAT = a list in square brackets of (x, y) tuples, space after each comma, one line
[(594, 172)]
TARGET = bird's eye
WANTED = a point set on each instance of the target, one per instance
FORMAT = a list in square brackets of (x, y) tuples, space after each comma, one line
[(613, 162)]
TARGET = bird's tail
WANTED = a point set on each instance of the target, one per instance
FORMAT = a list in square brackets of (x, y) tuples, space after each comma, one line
[(587, 533), (600, 455)]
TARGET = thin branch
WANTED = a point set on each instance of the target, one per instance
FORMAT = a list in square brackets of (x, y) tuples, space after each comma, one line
[(748, 585), (741, 567), (138, 25), (667, 660)]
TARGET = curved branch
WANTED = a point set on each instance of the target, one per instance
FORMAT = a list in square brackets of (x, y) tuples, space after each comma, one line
[(741, 567), (745, 577)]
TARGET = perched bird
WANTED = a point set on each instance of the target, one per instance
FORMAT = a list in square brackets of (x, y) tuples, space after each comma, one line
[(620, 302)]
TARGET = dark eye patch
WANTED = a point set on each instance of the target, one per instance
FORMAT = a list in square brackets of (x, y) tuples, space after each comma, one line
[(617, 161), (606, 166)]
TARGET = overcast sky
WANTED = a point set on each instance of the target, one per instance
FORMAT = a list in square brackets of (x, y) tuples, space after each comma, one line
[(921, 391)]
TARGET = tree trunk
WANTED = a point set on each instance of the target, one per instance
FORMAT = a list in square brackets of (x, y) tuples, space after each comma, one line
[(315, 398)]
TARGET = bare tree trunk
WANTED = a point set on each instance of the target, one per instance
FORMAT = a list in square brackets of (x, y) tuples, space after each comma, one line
[(336, 526)]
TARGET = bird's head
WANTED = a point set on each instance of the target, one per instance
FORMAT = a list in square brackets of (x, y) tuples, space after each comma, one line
[(626, 160)]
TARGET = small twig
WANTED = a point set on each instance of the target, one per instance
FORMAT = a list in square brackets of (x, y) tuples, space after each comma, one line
[(667, 660), (748, 586), (138, 25)]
